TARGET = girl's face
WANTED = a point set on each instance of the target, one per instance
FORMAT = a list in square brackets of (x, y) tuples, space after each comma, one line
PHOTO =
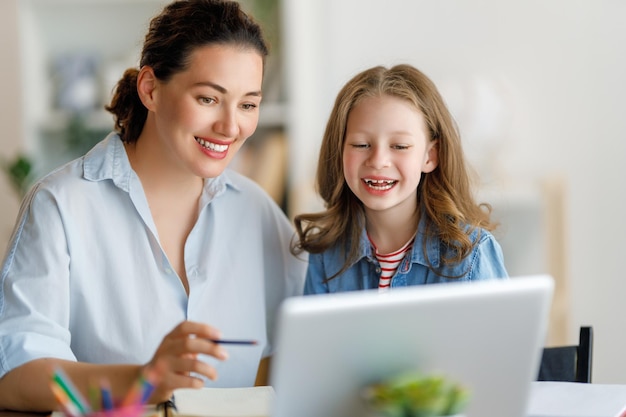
[(203, 115), (385, 151)]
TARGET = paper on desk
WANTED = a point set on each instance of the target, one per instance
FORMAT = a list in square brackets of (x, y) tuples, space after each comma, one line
[(225, 402), (569, 399)]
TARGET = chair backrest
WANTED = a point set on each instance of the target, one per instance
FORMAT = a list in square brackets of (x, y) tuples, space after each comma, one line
[(568, 363)]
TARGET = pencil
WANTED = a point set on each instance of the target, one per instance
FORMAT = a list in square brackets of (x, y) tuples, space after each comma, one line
[(74, 395), (107, 397), (149, 384), (94, 397), (233, 342), (133, 397), (64, 401), (142, 389)]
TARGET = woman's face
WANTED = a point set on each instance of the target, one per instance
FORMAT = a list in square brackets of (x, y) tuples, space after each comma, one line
[(386, 150), (203, 115)]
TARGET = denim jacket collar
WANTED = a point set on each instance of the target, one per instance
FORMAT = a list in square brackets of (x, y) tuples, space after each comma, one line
[(418, 254)]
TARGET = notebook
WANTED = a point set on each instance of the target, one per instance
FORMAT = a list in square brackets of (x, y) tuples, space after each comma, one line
[(486, 336)]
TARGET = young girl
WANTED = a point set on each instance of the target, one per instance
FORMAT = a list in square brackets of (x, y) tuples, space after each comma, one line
[(399, 208), (143, 252)]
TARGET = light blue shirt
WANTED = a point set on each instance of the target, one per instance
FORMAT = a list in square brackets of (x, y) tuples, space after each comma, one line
[(422, 265), (86, 279)]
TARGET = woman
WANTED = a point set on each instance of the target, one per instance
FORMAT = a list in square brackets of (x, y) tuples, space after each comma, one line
[(138, 256)]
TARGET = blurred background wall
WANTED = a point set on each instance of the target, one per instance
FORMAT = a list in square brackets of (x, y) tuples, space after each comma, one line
[(12, 136), (538, 90), (536, 87)]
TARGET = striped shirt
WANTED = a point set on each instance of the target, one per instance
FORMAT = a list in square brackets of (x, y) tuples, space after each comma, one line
[(389, 262)]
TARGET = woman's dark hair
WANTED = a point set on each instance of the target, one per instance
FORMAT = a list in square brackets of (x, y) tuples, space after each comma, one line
[(181, 28)]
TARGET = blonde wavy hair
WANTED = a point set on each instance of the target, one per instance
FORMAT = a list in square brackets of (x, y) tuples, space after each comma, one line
[(444, 195)]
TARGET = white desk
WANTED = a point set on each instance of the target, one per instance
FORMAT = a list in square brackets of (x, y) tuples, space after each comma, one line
[(566, 399), (547, 399)]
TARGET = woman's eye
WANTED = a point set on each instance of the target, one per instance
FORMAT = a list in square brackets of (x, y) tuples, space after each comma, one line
[(206, 100), (249, 106)]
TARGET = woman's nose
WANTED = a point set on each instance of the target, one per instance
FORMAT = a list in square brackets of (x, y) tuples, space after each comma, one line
[(226, 124)]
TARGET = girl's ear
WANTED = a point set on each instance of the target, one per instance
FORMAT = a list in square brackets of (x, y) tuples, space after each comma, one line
[(431, 158), (146, 86)]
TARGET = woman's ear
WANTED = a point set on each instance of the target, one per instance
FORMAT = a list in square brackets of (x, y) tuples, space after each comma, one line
[(431, 157), (146, 86)]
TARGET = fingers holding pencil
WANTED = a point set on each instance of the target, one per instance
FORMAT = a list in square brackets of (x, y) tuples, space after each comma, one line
[(176, 358)]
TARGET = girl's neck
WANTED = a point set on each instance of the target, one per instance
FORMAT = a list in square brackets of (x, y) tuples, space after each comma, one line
[(390, 232)]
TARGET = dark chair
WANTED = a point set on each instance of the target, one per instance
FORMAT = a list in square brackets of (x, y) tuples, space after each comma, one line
[(568, 363)]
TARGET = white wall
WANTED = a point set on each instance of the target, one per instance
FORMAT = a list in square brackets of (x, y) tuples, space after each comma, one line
[(557, 68), (10, 113)]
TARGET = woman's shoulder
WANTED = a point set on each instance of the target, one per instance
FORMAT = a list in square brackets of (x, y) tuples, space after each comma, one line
[(74, 170), (60, 179), (68, 180)]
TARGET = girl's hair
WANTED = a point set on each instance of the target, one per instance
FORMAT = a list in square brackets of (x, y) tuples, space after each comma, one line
[(181, 28), (444, 195)]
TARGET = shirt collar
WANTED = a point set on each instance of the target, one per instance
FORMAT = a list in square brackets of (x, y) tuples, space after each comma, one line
[(108, 161)]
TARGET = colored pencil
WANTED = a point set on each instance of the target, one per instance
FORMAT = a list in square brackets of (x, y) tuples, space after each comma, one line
[(64, 401), (94, 397), (140, 391), (63, 381), (107, 397)]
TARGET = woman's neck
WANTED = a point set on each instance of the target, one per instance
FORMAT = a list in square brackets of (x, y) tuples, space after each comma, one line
[(157, 172)]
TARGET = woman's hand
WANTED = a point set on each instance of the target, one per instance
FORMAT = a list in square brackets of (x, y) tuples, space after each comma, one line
[(175, 361)]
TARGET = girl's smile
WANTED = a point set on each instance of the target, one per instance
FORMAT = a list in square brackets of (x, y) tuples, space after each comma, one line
[(379, 185)]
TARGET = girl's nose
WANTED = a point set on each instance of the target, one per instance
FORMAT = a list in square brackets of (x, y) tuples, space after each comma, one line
[(378, 158)]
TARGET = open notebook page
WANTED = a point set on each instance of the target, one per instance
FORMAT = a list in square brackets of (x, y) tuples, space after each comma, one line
[(225, 402)]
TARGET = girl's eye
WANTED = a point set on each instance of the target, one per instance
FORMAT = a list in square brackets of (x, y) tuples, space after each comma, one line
[(400, 147), (359, 145)]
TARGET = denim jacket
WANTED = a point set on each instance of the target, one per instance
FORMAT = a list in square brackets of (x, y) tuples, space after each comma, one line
[(485, 261)]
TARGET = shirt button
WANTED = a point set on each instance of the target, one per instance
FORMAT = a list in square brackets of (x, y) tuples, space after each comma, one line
[(378, 270), (168, 271)]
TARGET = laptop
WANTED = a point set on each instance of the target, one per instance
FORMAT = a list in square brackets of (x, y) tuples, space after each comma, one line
[(486, 336)]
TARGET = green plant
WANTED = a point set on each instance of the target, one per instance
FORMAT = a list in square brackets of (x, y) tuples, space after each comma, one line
[(415, 395), (19, 171)]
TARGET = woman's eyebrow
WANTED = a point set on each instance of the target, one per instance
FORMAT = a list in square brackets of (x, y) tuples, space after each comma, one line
[(223, 90)]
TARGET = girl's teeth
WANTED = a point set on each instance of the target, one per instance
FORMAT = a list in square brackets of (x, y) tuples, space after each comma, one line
[(380, 184)]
